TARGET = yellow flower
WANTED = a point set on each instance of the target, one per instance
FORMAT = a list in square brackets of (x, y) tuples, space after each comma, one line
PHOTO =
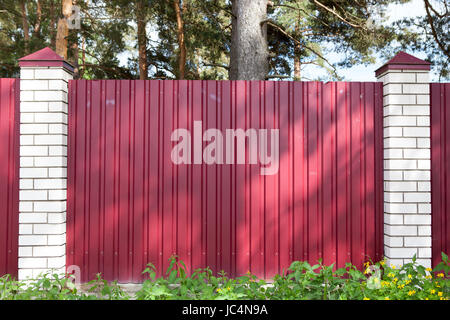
[(395, 280), (442, 298), (219, 290), (392, 266), (365, 298), (428, 269), (427, 299), (440, 275), (411, 292), (391, 275), (366, 271), (228, 288), (440, 294), (366, 264), (433, 291), (407, 281), (428, 277), (382, 263), (386, 298), (409, 276)]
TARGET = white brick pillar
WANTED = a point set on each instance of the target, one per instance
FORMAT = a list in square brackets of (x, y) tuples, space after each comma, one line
[(407, 184), (43, 163)]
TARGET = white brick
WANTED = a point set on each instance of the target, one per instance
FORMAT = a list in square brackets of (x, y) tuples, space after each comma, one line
[(423, 99), (35, 217), (33, 85), (34, 240), (393, 197), (58, 151), (58, 239), (417, 197), (25, 251), (25, 184), (34, 128), (33, 173), (57, 172), (33, 106), (424, 186), (50, 96), (396, 77), (49, 228), (26, 96), (26, 73), (424, 253), (33, 151), (32, 195), (32, 263), (50, 161), (393, 132), (393, 241), (417, 241), (50, 184), (392, 110), (423, 164), (416, 88), (25, 206), (57, 195), (25, 228), (399, 121), (423, 142), (58, 128), (49, 206), (393, 175), (25, 274), (56, 262), (26, 162), (400, 230), (395, 164), (424, 208), (426, 263), (401, 252), (400, 208), (417, 153), (393, 218), (393, 153), (399, 143), (57, 106), (59, 217), (50, 140), (424, 230), (423, 121), (26, 117), (392, 88), (50, 117), (416, 132), (417, 175), (48, 251), (26, 140), (57, 85), (399, 99), (417, 219), (423, 77), (400, 186), (50, 73)]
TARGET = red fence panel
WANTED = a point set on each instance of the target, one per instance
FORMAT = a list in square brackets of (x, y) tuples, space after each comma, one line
[(130, 204), (9, 175), (440, 169)]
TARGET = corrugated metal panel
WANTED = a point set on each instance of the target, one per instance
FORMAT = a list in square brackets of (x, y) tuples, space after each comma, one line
[(9, 175), (128, 204), (440, 169)]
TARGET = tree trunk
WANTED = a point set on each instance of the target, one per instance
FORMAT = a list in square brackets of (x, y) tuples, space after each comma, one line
[(52, 25), (142, 40), (25, 26), (63, 29), (297, 65), (37, 26), (181, 43), (249, 53)]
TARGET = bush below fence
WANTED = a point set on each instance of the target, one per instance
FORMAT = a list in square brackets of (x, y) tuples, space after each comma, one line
[(301, 282)]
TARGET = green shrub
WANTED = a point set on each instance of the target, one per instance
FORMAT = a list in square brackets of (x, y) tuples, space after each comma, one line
[(300, 282)]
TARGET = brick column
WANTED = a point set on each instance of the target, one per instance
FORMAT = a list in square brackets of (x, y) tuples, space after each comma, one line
[(43, 163), (407, 186)]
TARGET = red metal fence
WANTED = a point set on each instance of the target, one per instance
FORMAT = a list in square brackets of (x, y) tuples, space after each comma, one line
[(9, 175), (128, 204), (440, 169)]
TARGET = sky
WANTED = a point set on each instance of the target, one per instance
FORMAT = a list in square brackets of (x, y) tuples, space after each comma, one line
[(395, 12), (367, 73)]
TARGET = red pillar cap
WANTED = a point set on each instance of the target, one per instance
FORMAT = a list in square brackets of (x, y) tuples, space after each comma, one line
[(403, 61), (45, 58)]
